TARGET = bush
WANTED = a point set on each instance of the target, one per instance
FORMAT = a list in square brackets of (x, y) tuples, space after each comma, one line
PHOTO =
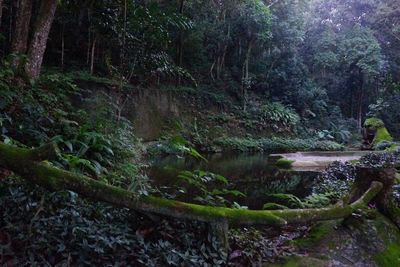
[(275, 145), (39, 228)]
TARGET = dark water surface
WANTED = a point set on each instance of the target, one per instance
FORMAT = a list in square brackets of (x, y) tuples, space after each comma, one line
[(248, 173)]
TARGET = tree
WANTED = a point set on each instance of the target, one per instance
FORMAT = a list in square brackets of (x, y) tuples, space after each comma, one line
[(1, 11), (34, 47), (38, 43), (19, 45), (253, 26), (346, 56)]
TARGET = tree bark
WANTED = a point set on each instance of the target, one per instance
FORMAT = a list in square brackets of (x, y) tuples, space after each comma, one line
[(1, 10), (180, 42), (19, 43), (40, 35), (62, 46), (26, 163), (361, 100), (92, 54)]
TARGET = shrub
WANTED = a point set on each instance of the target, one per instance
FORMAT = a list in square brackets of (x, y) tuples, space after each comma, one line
[(39, 228), (275, 145)]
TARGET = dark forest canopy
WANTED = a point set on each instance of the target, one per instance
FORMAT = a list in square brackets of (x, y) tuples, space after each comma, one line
[(312, 55)]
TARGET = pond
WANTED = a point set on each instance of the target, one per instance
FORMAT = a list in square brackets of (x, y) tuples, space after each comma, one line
[(249, 173)]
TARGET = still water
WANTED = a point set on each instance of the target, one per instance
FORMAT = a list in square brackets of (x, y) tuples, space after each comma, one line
[(249, 173)]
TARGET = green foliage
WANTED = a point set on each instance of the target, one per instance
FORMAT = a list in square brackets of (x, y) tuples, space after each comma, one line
[(317, 233), (86, 144), (274, 206), (374, 123), (382, 134), (60, 228), (287, 200), (176, 145), (209, 188), (284, 163), (43, 112), (276, 145), (278, 114), (389, 257), (319, 200)]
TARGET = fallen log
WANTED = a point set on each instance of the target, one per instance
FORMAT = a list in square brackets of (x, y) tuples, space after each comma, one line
[(28, 163)]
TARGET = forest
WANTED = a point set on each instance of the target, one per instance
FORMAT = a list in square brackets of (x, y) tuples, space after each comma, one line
[(200, 133)]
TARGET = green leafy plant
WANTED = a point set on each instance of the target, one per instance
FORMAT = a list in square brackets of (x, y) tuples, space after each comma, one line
[(86, 151), (279, 114), (208, 188)]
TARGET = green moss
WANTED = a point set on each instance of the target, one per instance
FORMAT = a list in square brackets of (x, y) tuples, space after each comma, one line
[(274, 206), (390, 257), (397, 178), (374, 123), (382, 134), (392, 148), (317, 233), (284, 163)]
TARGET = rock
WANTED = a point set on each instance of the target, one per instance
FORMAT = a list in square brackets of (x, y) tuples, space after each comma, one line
[(359, 242)]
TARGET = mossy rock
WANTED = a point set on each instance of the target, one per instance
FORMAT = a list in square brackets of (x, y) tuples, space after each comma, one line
[(274, 206), (284, 163), (357, 242), (316, 235), (381, 133), (389, 257), (374, 123), (287, 200)]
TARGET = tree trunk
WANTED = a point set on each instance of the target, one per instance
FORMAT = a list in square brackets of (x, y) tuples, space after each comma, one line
[(1, 10), (62, 47), (19, 44), (26, 163), (361, 100), (245, 74), (40, 34), (92, 54), (180, 43)]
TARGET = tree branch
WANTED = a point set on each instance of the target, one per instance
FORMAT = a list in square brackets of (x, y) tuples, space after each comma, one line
[(25, 162)]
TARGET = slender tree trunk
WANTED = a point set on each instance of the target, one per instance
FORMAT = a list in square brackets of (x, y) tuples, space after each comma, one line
[(180, 45), (212, 70), (88, 48), (248, 54), (19, 43), (245, 74), (361, 100), (180, 55), (62, 47), (93, 54), (122, 54), (38, 43), (1, 10)]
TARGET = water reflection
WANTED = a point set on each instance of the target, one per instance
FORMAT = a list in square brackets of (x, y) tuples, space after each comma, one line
[(248, 173)]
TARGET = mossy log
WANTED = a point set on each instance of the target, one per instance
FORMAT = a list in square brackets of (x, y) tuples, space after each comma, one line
[(26, 163)]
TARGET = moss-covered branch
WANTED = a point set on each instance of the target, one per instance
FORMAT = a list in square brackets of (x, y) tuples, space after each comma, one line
[(21, 161)]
